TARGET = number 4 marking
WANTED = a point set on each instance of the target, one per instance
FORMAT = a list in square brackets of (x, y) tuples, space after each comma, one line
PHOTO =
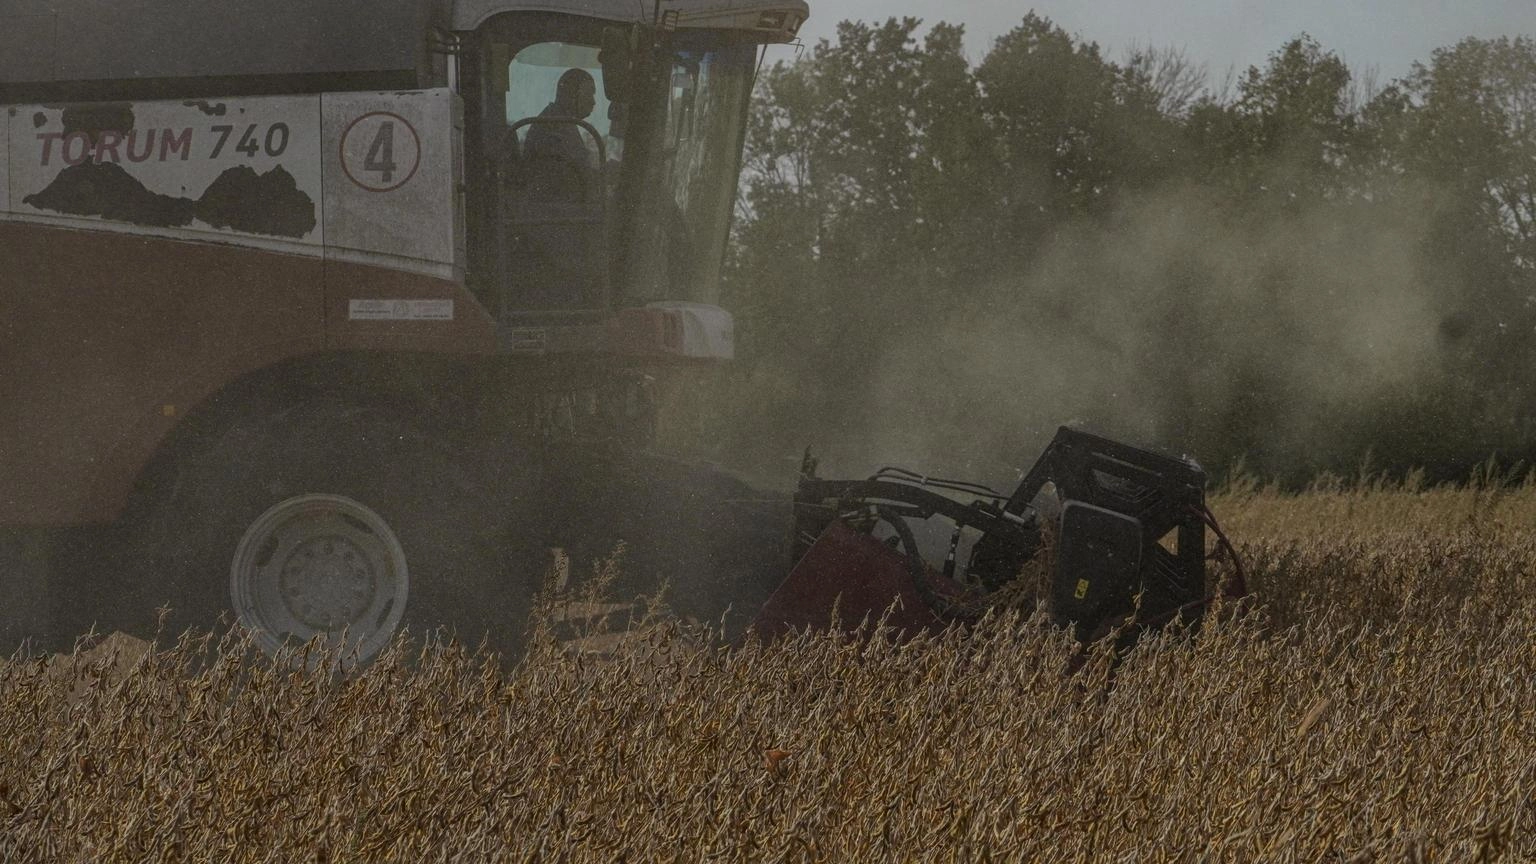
[(381, 153), (248, 144)]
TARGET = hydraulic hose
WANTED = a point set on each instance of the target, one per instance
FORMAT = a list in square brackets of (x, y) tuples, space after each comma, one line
[(943, 607)]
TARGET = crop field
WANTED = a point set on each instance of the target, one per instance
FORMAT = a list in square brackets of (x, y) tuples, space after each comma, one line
[(1376, 703)]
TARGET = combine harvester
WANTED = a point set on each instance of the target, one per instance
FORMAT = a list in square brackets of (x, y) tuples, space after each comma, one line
[(311, 309), (341, 315)]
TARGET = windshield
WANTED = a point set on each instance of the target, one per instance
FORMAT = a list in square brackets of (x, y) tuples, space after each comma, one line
[(682, 217), (609, 173)]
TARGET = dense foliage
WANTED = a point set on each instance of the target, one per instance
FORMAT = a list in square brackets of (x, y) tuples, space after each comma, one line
[(939, 261)]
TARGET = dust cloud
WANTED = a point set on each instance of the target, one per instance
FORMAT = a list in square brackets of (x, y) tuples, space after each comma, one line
[(1280, 341)]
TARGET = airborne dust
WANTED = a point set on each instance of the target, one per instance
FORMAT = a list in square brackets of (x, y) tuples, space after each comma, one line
[(1172, 326)]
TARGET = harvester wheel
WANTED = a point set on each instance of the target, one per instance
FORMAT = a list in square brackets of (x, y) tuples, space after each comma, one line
[(326, 518), (317, 564)]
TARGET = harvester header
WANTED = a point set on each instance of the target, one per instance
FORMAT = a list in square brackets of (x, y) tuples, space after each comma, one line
[(1102, 533)]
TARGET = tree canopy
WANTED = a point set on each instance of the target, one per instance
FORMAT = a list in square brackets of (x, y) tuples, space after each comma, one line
[(938, 261)]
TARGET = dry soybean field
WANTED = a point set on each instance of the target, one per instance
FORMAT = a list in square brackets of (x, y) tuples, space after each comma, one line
[(1377, 703)]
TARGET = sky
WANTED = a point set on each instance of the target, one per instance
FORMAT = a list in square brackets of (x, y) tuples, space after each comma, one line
[(1388, 35)]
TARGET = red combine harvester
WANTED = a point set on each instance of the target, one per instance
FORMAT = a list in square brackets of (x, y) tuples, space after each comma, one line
[(306, 302), (337, 316)]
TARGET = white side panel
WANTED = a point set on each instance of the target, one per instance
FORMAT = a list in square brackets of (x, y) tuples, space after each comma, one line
[(246, 168), (708, 332), (392, 180)]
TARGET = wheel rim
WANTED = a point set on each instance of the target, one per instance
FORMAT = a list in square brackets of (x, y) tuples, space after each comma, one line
[(320, 565)]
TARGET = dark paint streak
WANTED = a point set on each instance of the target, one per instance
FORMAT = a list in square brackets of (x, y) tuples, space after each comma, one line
[(238, 199), (209, 108), (270, 203), (108, 191)]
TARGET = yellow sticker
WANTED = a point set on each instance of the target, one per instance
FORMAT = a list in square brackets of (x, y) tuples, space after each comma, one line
[(168, 410), (1082, 589)]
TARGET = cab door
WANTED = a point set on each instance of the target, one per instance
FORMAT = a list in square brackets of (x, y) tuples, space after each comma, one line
[(550, 147)]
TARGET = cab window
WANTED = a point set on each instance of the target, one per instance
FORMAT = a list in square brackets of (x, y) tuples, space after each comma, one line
[(554, 153)]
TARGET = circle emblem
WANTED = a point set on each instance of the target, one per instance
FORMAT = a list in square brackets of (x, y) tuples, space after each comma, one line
[(380, 151)]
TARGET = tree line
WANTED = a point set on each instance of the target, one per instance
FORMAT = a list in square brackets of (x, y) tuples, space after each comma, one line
[(1300, 267)]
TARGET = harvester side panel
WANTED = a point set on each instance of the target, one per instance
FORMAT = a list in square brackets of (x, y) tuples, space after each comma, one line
[(367, 177), (157, 251)]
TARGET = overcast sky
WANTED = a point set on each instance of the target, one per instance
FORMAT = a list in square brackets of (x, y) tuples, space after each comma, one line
[(1387, 34)]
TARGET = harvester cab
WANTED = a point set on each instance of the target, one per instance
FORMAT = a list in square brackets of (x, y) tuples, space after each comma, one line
[(1102, 533), (607, 158)]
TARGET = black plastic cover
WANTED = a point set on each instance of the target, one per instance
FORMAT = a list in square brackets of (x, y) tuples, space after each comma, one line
[(1132, 526)]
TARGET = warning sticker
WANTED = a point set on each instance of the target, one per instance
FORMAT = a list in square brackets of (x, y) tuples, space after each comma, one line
[(529, 341), (400, 310)]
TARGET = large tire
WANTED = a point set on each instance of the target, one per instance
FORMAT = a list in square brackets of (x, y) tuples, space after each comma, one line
[(323, 517)]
